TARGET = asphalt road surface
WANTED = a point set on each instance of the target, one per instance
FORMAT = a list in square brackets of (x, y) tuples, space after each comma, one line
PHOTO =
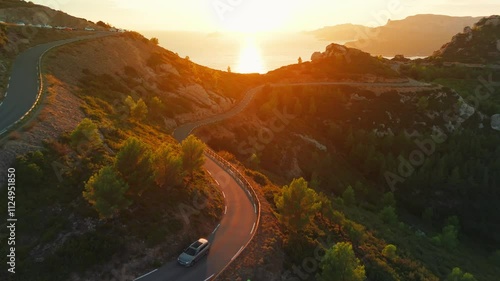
[(183, 131), (228, 239), (23, 85), (234, 231)]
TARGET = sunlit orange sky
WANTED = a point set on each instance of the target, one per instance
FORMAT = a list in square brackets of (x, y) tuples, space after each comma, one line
[(260, 15)]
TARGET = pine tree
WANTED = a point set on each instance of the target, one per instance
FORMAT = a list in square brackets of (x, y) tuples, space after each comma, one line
[(388, 200), (340, 264), (192, 154), (297, 205), (140, 111), (167, 165), (388, 215), (105, 191), (134, 162), (86, 134)]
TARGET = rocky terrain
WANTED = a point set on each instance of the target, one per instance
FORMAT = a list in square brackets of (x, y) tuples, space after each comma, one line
[(477, 44), (129, 61)]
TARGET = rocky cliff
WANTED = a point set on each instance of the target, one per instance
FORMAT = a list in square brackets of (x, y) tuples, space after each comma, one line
[(477, 44)]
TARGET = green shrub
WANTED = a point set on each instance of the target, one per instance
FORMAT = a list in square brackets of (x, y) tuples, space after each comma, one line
[(340, 264), (349, 196), (449, 236), (457, 275), (388, 215), (86, 135), (258, 177), (355, 232), (105, 191), (389, 200), (390, 251)]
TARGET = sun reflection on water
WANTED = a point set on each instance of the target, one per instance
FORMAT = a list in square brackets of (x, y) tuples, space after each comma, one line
[(250, 59)]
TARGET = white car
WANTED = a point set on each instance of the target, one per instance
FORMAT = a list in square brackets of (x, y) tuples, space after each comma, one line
[(194, 252)]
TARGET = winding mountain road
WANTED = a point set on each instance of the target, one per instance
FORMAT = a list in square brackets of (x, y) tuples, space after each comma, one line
[(233, 233), (240, 219), (238, 223), (228, 239), (183, 131), (23, 86)]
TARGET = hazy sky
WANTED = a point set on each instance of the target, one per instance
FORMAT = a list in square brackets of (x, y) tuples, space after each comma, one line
[(259, 15)]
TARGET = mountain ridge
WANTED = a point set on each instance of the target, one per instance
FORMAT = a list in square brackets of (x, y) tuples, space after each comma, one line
[(404, 36)]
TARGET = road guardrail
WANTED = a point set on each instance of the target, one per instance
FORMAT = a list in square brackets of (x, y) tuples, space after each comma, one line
[(243, 183)]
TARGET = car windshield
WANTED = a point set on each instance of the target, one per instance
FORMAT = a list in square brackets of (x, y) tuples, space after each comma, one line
[(190, 251)]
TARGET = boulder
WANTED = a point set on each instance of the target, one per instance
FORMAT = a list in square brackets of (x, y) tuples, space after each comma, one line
[(168, 68), (316, 56), (196, 93)]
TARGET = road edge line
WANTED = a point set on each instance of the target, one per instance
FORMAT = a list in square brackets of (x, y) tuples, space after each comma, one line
[(40, 78), (146, 274), (244, 184)]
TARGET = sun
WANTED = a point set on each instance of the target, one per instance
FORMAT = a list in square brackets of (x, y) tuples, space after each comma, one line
[(250, 60), (254, 16)]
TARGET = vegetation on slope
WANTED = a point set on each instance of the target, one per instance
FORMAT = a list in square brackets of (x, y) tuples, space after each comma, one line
[(479, 44), (336, 63), (86, 203), (338, 137)]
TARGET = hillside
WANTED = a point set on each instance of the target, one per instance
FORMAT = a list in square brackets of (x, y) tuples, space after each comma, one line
[(342, 150), (418, 35), (337, 63), (341, 32), (14, 11), (432, 148), (132, 65), (341, 136), (478, 44), (15, 39), (136, 91)]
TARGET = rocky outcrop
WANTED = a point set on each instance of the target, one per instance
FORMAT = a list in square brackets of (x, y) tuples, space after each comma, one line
[(207, 103), (168, 68), (316, 56), (336, 51), (477, 44), (204, 98)]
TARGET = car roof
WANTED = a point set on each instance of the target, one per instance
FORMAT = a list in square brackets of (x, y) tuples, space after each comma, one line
[(198, 243)]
